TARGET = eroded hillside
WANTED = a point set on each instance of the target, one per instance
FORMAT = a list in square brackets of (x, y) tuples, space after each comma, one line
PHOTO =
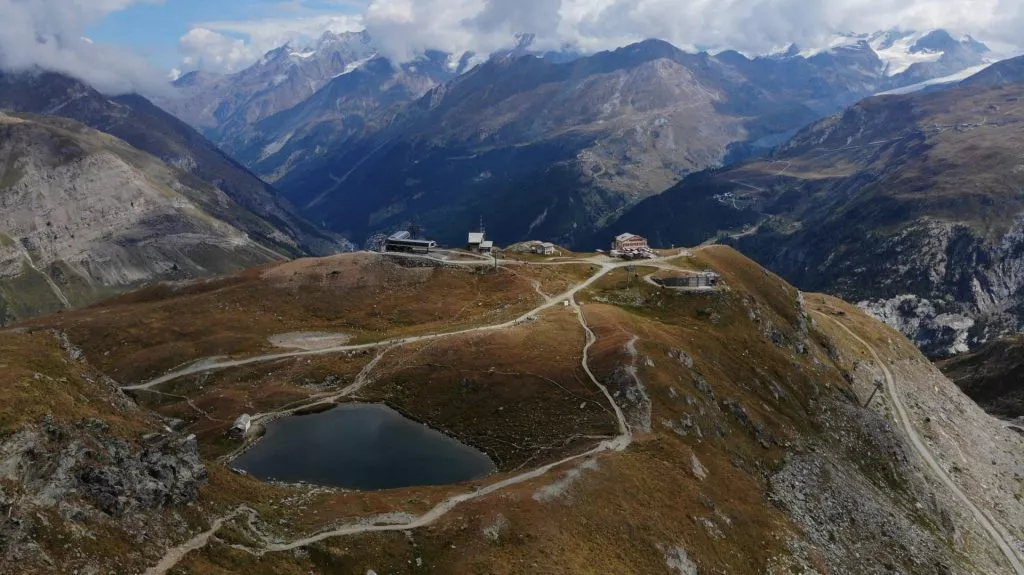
[(84, 216), (633, 428)]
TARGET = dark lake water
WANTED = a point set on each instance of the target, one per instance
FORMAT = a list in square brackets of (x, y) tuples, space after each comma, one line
[(361, 446)]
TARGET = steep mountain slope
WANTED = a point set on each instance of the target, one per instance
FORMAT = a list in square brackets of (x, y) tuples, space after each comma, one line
[(148, 128), (224, 106), (359, 101), (1009, 71), (718, 431), (992, 375), (83, 215), (910, 202), (547, 149)]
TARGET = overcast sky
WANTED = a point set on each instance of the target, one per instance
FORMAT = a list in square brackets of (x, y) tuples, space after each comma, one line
[(134, 44)]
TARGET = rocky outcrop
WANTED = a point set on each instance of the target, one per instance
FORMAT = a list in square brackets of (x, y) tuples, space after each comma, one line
[(87, 474), (919, 319), (968, 289)]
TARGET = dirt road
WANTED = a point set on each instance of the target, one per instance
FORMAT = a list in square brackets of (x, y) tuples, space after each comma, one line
[(619, 443), (215, 364), (1000, 536)]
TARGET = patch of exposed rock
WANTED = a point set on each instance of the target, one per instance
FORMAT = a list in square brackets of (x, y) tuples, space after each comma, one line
[(861, 501), (628, 390), (924, 322), (88, 475)]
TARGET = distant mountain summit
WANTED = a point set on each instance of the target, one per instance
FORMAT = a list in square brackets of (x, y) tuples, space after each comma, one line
[(553, 141), (912, 56), (223, 106)]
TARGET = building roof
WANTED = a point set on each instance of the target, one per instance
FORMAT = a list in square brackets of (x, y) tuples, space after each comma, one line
[(410, 241), (487, 244), (404, 235), (476, 237), (624, 237)]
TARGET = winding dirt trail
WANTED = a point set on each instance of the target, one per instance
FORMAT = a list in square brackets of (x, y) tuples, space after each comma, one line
[(999, 535), (176, 554), (616, 444), (215, 364)]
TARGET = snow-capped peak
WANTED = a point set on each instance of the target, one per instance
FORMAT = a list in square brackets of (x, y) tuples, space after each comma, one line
[(900, 49)]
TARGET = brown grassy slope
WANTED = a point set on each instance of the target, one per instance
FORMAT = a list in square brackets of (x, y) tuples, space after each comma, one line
[(38, 379), (144, 334), (520, 395), (211, 402), (625, 512), (738, 380)]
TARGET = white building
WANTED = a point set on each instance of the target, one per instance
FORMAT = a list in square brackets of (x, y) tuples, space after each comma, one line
[(544, 249), (476, 240), (628, 242), (241, 427)]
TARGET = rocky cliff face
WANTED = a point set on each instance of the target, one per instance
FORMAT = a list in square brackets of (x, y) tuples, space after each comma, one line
[(84, 215), (86, 476)]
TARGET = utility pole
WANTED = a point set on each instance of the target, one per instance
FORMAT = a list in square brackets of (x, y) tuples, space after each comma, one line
[(878, 387)]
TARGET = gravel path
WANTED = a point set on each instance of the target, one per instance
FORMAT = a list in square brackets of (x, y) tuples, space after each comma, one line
[(1000, 536), (619, 443)]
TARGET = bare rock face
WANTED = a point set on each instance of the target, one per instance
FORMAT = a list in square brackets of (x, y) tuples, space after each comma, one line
[(968, 288), (878, 512), (83, 216), (86, 473), (922, 321)]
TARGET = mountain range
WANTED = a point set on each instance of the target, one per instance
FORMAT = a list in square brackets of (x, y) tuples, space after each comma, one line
[(545, 144), (620, 418), (910, 204)]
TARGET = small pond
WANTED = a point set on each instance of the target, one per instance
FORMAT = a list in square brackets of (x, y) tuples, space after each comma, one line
[(361, 446)]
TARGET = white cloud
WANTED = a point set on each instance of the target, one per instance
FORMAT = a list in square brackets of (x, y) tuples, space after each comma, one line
[(50, 34), (404, 28)]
